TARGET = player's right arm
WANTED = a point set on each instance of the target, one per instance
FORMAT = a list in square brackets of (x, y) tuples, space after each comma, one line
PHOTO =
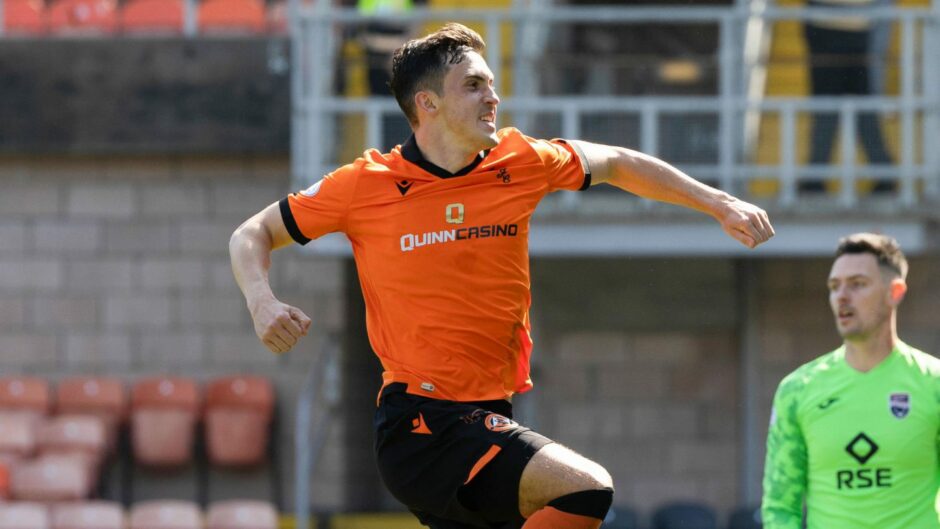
[(652, 178), (785, 468), (277, 324)]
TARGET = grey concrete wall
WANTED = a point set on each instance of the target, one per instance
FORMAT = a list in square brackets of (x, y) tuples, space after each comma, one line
[(637, 369), (145, 96), (119, 266)]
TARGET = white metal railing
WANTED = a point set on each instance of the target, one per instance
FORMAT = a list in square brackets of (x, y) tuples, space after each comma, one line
[(758, 33), (317, 404), (315, 41)]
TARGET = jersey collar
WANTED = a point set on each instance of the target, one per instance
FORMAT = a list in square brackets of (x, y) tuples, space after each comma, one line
[(410, 152)]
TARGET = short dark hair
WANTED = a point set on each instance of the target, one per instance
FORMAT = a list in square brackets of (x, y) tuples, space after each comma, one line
[(421, 64), (885, 249)]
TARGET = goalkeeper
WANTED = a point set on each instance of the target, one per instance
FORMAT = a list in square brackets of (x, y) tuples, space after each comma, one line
[(854, 433)]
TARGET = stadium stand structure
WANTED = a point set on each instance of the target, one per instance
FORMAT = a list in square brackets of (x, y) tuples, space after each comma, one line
[(21, 441), (704, 134)]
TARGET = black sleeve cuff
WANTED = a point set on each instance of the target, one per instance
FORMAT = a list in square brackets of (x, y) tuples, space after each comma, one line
[(584, 165), (290, 223)]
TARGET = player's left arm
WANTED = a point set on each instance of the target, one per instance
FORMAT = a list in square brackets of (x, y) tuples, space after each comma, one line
[(652, 178), (786, 466)]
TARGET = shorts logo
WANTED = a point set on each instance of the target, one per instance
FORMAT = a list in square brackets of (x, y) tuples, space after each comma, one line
[(473, 417), (900, 404), (497, 423), (503, 174), (312, 190), (419, 425)]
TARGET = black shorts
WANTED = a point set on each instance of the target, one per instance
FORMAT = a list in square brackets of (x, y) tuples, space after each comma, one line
[(456, 465)]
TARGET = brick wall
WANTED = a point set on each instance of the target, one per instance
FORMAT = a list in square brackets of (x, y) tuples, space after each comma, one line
[(120, 267), (637, 369)]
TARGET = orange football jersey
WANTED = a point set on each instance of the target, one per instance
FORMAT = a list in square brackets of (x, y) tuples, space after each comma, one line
[(443, 258)]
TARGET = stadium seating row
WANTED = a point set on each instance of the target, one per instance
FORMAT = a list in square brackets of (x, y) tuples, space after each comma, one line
[(105, 17), (52, 448), (162, 514)]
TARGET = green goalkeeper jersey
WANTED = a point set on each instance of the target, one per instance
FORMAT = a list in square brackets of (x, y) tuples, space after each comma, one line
[(860, 448)]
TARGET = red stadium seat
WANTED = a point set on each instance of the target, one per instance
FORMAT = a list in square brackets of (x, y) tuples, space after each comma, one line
[(51, 477), (227, 16), (88, 515), (17, 435), (26, 395), (238, 412), (79, 435), (153, 16), (23, 17), (166, 514), (104, 398), (94, 17), (24, 515), (241, 514), (163, 420)]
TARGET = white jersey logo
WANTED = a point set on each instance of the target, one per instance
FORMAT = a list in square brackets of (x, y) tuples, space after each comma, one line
[(312, 190)]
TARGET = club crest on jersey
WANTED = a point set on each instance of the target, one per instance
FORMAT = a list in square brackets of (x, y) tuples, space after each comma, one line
[(312, 190), (497, 423), (900, 404)]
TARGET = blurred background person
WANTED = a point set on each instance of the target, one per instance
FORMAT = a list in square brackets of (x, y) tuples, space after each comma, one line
[(840, 57)]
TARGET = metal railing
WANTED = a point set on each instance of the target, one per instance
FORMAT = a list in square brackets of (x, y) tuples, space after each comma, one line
[(317, 403), (316, 40)]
